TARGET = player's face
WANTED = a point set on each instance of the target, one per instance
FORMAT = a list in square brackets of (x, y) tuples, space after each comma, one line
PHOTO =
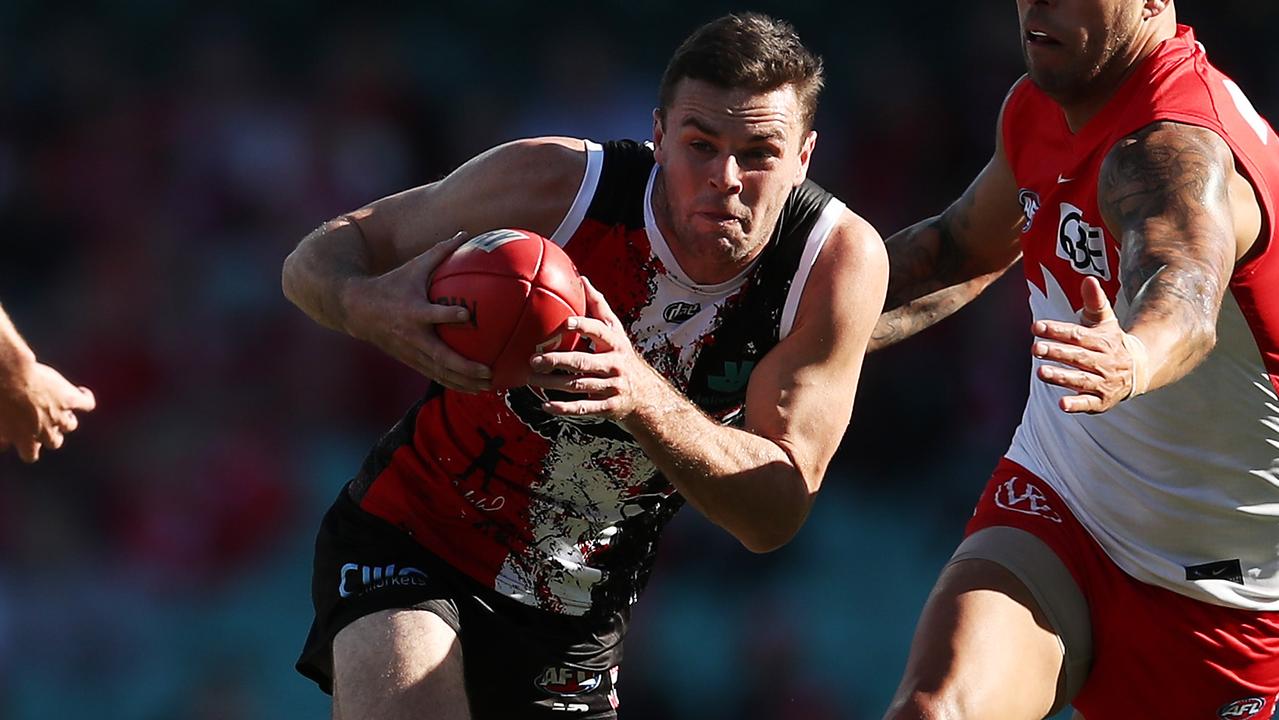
[(1067, 44), (729, 159)]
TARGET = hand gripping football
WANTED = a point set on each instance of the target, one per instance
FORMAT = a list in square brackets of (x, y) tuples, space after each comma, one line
[(519, 288)]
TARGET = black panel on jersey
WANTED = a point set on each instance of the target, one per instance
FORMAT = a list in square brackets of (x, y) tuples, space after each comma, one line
[(379, 458), (752, 319), (628, 563), (627, 165)]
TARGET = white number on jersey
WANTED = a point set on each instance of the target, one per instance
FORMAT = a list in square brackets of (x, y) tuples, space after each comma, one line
[(1247, 111)]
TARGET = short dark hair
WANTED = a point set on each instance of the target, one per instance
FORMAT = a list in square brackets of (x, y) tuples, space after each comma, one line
[(751, 51)]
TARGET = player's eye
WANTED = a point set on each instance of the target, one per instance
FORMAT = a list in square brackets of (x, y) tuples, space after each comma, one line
[(758, 156)]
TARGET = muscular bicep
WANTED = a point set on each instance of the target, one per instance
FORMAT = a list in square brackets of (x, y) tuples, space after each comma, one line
[(1164, 191), (801, 394), (528, 184)]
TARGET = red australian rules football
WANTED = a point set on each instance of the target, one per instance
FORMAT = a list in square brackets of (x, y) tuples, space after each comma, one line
[(519, 288)]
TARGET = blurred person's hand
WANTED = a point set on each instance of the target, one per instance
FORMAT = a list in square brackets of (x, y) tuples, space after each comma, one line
[(38, 409)]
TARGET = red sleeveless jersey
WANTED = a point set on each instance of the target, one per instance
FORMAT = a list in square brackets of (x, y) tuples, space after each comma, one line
[(564, 513), (1186, 477)]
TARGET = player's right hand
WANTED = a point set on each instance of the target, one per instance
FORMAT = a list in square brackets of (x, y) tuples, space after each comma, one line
[(391, 311), (609, 381), (1089, 359), (39, 410)]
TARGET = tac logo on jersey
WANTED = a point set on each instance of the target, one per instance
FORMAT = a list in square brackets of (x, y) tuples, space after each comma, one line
[(358, 579), (567, 682), (1081, 244), (493, 239), (1242, 709), (678, 312), (1020, 496), (1029, 200)]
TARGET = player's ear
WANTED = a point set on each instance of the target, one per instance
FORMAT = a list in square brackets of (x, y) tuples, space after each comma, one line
[(1153, 8), (657, 134), (805, 155)]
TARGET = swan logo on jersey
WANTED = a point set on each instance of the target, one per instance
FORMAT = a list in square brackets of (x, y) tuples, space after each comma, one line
[(1242, 709), (1029, 200), (1020, 496), (567, 682), (678, 312), (1081, 244)]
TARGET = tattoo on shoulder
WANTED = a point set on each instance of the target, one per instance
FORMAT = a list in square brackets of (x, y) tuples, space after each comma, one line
[(1167, 170)]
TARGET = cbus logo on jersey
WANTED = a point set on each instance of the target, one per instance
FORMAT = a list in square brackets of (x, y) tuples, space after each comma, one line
[(1081, 244), (1029, 200), (568, 682), (358, 579), (1242, 709), (1020, 496), (678, 312)]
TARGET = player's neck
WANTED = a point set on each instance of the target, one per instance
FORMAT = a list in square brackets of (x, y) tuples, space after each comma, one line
[(698, 267), (1081, 108)]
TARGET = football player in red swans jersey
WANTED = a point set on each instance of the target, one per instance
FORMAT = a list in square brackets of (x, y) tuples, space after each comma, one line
[(729, 304), (1124, 557)]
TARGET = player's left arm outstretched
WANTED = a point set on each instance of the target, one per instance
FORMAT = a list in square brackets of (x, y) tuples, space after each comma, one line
[(759, 482), (1184, 216)]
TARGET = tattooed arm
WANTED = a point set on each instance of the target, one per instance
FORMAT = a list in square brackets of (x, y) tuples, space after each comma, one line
[(941, 264), (1184, 215)]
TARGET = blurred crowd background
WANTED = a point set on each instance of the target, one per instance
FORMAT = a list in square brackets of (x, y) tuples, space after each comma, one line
[(157, 162)]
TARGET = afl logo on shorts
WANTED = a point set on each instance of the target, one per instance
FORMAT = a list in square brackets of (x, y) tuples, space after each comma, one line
[(1242, 709), (1020, 496), (567, 682)]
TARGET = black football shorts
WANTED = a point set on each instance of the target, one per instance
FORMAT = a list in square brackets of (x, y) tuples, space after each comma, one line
[(519, 661)]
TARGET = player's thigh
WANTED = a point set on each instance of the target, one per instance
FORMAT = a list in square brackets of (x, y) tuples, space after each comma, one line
[(398, 664), (983, 649)]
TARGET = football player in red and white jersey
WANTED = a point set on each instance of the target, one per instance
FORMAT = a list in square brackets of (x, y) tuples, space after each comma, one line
[(1124, 557), (740, 297)]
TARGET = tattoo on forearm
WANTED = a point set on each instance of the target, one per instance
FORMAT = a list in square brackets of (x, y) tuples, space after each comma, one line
[(1165, 190), (925, 263)]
